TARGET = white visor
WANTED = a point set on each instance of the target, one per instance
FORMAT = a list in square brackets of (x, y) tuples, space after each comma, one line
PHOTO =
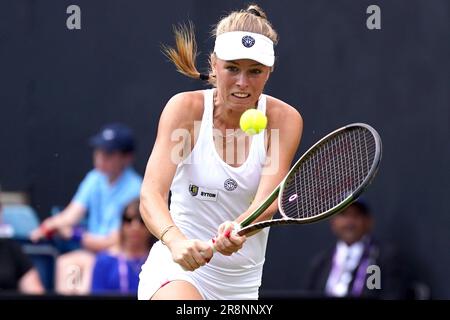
[(245, 45)]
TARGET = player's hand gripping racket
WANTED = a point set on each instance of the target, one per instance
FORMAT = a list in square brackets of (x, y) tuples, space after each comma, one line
[(325, 180)]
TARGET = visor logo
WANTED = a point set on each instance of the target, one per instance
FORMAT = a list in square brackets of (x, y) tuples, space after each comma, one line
[(248, 41)]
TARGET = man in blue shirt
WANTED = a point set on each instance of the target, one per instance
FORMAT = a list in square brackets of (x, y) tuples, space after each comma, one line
[(102, 195)]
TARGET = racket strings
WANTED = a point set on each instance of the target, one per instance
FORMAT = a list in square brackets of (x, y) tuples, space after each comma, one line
[(329, 174)]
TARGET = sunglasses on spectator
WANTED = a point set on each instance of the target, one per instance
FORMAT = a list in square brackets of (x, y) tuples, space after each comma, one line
[(126, 219)]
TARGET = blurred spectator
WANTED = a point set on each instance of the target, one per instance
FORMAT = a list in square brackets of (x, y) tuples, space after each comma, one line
[(103, 195), (346, 269), (16, 270), (117, 271)]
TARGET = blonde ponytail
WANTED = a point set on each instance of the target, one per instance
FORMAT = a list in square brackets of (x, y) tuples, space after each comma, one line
[(184, 55)]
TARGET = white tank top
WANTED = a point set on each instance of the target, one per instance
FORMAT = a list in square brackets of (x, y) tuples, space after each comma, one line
[(206, 191)]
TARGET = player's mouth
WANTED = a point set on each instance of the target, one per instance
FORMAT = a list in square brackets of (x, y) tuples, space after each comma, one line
[(241, 95)]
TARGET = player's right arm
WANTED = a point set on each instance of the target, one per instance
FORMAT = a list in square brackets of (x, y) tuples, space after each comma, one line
[(175, 134)]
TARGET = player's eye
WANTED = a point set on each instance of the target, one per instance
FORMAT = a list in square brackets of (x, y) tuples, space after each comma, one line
[(232, 68), (255, 71)]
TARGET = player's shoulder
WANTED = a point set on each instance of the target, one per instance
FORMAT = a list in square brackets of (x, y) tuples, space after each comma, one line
[(280, 111), (187, 105)]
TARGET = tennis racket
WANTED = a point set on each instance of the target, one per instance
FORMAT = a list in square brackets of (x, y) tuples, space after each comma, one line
[(325, 180)]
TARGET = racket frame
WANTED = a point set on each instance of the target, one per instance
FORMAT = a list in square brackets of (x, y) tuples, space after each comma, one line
[(246, 225)]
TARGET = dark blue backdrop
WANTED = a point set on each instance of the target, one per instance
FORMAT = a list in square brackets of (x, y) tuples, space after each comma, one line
[(58, 86)]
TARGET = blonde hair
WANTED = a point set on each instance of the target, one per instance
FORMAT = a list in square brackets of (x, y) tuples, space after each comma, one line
[(253, 19)]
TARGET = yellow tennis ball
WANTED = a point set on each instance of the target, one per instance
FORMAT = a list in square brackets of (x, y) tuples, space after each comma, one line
[(253, 121)]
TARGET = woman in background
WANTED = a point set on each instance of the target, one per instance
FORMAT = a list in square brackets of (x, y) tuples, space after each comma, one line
[(117, 270)]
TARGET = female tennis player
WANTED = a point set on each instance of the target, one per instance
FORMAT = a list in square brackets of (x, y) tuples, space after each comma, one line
[(216, 173)]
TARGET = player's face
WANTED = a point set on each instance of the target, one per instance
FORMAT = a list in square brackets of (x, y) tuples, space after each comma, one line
[(240, 82), (351, 225)]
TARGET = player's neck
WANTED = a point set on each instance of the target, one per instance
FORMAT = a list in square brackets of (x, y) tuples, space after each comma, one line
[(225, 118)]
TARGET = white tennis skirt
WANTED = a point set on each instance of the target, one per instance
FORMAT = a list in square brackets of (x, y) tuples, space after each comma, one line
[(213, 282)]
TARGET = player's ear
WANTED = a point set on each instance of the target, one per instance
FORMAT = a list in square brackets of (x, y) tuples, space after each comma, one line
[(213, 62), (268, 76)]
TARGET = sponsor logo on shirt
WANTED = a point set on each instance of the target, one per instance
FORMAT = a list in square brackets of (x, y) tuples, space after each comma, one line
[(203, 193), (230, 184), (193, 190)]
